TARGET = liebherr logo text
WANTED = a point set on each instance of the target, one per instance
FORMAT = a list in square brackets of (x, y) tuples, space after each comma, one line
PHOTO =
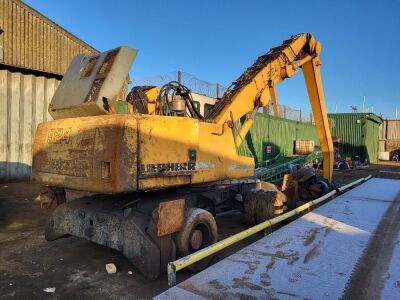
[(168, 168)]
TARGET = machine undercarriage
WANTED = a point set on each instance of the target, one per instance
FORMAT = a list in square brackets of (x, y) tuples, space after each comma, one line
[(147, 226)]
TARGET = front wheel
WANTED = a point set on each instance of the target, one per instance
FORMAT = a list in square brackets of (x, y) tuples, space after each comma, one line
[(199, 231)]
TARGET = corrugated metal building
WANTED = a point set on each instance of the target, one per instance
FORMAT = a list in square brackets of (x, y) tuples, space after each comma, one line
[(271, 135), (359, 133), (34, 54), (389, 137)]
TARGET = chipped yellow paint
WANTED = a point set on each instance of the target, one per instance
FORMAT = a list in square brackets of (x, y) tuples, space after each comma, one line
[(110, 153)]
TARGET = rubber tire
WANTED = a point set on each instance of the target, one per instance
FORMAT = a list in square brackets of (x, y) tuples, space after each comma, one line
[(193, 218), (259, 207), (324, 189)]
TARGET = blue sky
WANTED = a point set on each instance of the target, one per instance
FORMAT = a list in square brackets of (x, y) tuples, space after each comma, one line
[(218, 40)]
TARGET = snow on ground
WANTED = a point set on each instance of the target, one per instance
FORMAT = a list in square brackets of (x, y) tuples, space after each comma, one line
[(313, 257)]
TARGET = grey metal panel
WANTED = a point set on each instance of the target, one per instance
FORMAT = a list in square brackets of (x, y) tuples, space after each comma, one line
[(23, 105), (382, 130), (91, 79), (382, 145), (393, 129), (389, 135), (32, 41), (3, 122)]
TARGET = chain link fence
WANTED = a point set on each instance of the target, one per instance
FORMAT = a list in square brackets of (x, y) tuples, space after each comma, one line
[(195, 84), (289, 113), (216, 90)]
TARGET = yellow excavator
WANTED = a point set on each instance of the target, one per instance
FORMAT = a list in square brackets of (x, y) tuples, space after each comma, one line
[(160, 171)]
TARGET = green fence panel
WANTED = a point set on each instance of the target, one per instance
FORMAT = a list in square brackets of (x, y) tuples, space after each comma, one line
[(271, 135)]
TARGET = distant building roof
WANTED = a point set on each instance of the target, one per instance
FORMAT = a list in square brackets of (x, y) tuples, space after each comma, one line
[(31, 41)]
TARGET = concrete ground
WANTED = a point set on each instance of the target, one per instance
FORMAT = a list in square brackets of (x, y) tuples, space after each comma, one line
[(75, 267)]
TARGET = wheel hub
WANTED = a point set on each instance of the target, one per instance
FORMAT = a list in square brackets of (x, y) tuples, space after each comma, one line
[(196, 240)]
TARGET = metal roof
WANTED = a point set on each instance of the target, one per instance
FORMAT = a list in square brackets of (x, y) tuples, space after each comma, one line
[(31, 41)]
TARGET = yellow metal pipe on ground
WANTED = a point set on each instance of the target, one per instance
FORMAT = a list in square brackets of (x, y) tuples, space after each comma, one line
[(345, 187), (190, 259)]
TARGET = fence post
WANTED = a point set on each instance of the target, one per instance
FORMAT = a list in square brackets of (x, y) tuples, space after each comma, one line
[(386, 125)]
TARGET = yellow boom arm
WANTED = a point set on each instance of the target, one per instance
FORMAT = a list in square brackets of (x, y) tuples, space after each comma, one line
[(257, 85)]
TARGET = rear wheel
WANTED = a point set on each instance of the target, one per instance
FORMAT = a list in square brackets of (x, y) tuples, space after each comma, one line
[(261, 205), (199, 231), (318, 189)]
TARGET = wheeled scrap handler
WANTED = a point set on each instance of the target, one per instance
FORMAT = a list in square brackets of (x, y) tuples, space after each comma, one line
[(161, 172)]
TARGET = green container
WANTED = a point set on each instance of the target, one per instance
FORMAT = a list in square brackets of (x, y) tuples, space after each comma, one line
[(271, 135), (121, 107), (359, 134)]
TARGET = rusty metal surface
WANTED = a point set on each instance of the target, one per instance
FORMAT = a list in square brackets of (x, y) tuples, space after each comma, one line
[(171, 215), (32, 41), (93, 92), (102, 219), (96, 154), (23, 105), (142, 152), (75, 152)]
